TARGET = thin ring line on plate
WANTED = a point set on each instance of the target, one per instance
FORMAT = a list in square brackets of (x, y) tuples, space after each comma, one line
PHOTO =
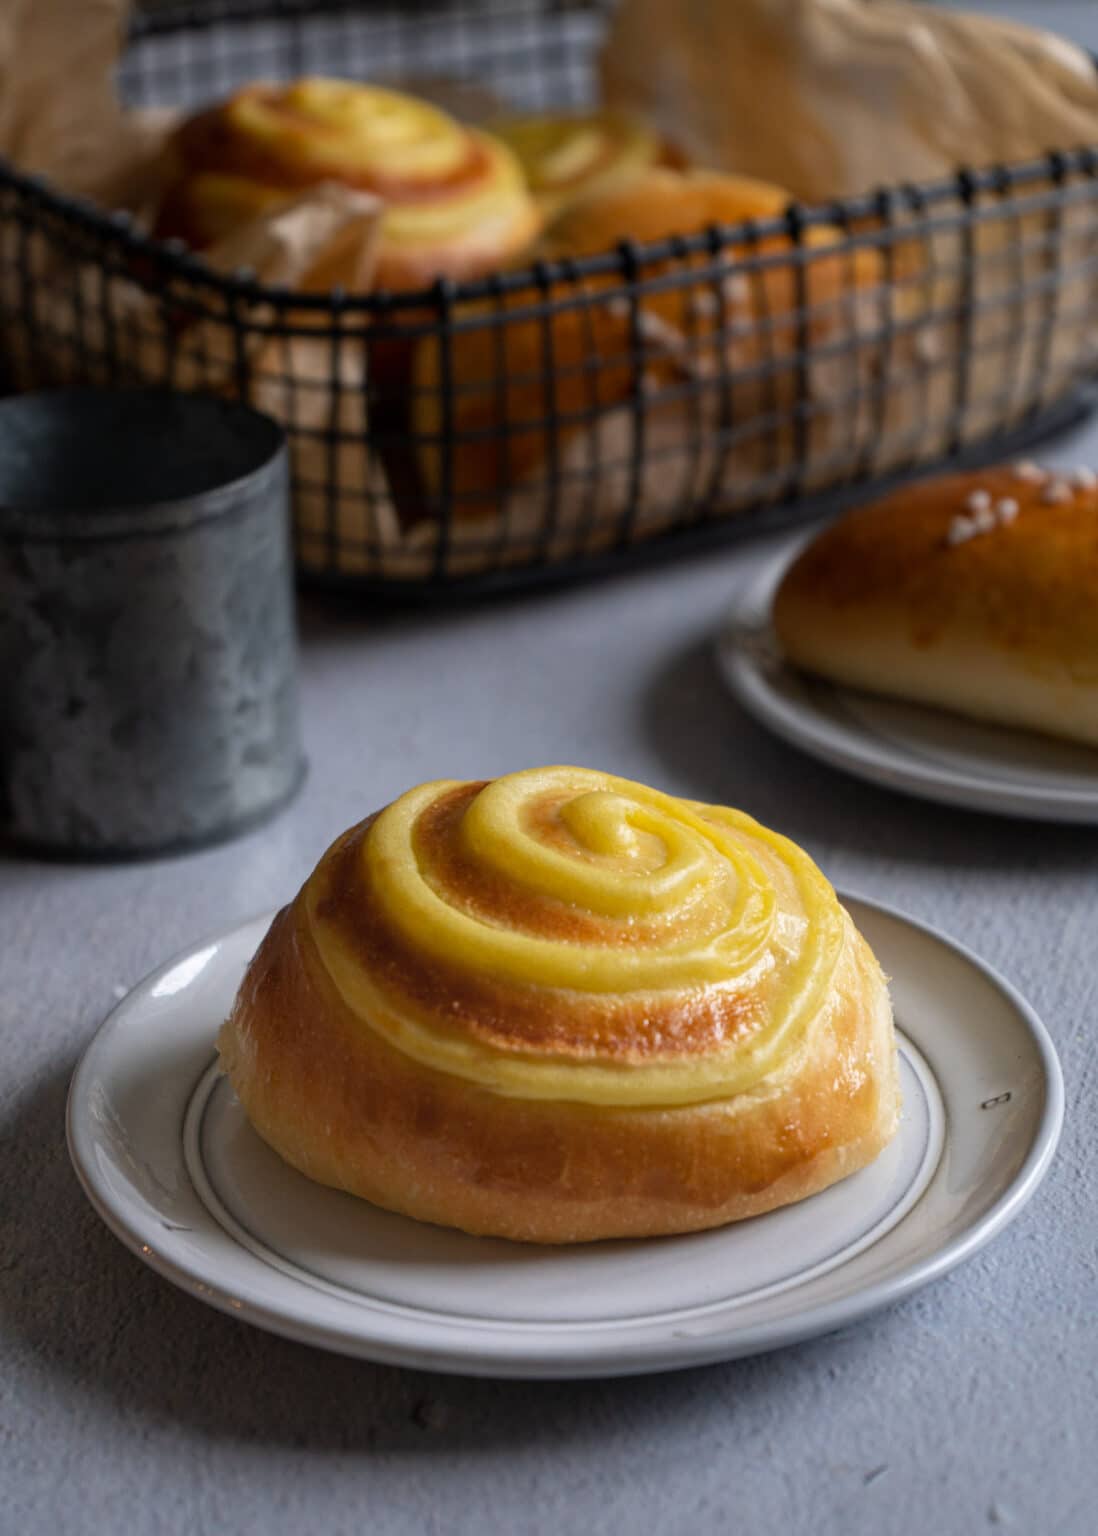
[(929, 1158), (841, 699), (842, 744), (694, 1344)]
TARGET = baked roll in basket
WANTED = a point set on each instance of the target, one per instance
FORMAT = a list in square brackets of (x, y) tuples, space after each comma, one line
[(560, 1006), (523, 380), (974, 592), (566, 157), (456, 199)]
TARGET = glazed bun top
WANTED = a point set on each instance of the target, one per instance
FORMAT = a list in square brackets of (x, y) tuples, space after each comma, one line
[(566, 157), (660, 202), (561, 933), (455, 199), (320, 129)]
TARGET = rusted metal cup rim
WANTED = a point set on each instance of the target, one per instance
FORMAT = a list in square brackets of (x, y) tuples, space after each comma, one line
[(96, 465)]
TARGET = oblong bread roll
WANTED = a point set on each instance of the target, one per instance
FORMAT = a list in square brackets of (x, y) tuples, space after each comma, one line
[(975, 592)]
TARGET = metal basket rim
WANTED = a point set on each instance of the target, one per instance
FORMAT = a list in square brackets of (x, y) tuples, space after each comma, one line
[(778, 516)]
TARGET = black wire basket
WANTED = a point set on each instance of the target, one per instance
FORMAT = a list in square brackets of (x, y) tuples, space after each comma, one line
[(574, 415)]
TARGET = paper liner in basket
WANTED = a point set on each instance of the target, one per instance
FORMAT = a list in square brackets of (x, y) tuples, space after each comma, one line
[(832, 98), (836, 98)]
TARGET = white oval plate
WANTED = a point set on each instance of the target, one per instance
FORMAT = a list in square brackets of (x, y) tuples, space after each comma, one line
[(927, 752), (171, 1165)]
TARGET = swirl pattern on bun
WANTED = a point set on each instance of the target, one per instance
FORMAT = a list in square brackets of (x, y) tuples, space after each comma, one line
[(456, 199), (561, 1006), (567, 157)]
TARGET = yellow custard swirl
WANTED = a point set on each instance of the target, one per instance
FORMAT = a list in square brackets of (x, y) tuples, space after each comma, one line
[(454, 197), (330, 126), (570, 156), (666, 952)]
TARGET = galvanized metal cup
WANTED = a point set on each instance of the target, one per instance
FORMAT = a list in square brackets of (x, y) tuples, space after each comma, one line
[(148, 663)]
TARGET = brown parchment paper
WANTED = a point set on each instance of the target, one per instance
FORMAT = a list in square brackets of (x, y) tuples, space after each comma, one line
[(59, 116), (837, 97)]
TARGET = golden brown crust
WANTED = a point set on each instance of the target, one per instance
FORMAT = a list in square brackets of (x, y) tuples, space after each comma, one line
[(346, 1099), (660, 203), (345, 1108), (907, 597)]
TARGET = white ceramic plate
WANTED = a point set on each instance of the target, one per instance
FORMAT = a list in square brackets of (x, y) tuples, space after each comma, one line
[(927, 752), (169, 1162)]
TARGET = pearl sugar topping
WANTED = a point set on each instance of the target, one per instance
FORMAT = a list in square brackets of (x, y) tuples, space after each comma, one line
[(982, 512), (1033, 473), (1056, 493)]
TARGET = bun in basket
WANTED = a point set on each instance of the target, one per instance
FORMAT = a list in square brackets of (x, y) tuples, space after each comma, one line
[(560, 1006), (531, 373), (456, 199), (567, 157)]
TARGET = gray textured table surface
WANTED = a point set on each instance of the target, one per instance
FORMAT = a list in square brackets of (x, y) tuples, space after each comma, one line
[(126, 1406)]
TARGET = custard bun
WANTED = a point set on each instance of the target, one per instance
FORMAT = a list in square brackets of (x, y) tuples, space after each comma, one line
[(559, 1006)]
